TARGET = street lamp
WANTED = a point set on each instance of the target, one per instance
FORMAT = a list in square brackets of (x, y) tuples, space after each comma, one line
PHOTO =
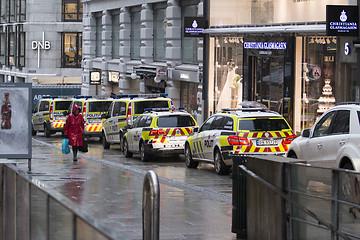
[(133, 74)]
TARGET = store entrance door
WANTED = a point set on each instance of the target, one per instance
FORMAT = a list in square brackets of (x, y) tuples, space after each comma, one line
[(267, 80)]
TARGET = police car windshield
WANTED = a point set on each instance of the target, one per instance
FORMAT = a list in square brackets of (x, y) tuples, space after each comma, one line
[(99, 106), (263, 124), (139, 107), (62, 105), (175, 121)]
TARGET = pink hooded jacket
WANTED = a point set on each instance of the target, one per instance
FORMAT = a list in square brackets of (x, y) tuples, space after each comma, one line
[(74, 128)]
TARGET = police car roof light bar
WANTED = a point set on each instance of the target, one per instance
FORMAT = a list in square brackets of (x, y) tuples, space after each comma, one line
[(81, 96), (163, 109), (244, 109), (146, 95)]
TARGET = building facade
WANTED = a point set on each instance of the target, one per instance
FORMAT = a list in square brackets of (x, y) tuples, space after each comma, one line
[(277, 53), (135, 46), (41, 41)]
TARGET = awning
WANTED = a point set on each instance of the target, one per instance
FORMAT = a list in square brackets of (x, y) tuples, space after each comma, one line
[(58, 80), (314, 28)]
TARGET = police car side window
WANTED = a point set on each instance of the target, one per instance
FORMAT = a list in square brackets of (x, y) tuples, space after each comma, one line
[(122, 108), (216, 124), (116, 108), (227, 124), (207, 125), (136, 122), (44, 106), (148, 121)]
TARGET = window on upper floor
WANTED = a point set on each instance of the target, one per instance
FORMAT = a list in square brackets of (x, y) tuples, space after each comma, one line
[(72, 50), (12, 11), (10, 46), (2, 47), (72, 10), (159, 32), (189, 46), (20, 10), (98, 33), (135, 41), (20, 53), (115, 18)]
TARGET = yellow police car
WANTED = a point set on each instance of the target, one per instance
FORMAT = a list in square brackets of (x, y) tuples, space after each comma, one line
[(237, 131), (158, 132), (124, 110), (48, 115), (92, 108)]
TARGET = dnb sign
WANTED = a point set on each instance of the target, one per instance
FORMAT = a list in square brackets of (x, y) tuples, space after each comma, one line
[(40, 45)]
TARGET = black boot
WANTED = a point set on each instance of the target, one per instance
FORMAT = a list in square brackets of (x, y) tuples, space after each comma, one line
[(75, 150)]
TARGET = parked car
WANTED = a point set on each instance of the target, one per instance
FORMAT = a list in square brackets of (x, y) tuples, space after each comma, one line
[(124, 110), (49, 115), (237, 131), (158, 132), (335, 136)]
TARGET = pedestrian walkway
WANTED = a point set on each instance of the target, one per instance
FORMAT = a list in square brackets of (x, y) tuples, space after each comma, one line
[(112, 193)]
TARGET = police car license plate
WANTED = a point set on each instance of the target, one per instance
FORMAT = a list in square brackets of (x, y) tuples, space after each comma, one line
[(94, 120), (60, 118), (177, 138), (266, 142)]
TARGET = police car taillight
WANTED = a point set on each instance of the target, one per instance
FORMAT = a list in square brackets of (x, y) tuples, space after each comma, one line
[(51, 111), (84, 109), (236, 140), (128, 114), (289, 139), (157, 132)]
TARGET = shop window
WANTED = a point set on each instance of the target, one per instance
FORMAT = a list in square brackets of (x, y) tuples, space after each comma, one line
[(318, 78), (115, 35), (72, 50), (159, 33), (188, 97), (72, 10), (135, 41), (98, 34), (189, 45), (227, 89)]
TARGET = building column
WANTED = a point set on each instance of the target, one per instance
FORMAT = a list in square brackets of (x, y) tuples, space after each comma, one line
[(124, 51), (173, 49), (146, 34), (202, 69), (88, 51), (106, 50)]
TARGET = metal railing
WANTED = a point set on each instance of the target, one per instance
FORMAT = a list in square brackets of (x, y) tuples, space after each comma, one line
[(314, 202), (31, 212), (151, 206)]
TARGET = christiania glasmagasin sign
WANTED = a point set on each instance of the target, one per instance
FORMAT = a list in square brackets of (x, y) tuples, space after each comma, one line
[(194, 26), (342, 20)]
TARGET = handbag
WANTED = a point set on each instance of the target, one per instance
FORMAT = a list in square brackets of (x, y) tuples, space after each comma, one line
[(65, 146), (84, 147)]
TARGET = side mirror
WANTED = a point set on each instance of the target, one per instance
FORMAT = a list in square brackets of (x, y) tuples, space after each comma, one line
[(305, 133), (196, 129), (105, 115), (127, 127)]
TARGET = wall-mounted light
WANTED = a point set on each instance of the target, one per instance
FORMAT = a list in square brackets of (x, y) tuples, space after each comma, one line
[(133, 74)]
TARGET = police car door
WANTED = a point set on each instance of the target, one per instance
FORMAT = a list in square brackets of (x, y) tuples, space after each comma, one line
[(35, 118), (108, 124), (133, 135), (200, 137), (211, 137)]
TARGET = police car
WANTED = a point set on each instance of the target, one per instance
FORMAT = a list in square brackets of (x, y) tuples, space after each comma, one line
[(48, 115), (237, 131), (92, 108), (158, 132), (124, 110)]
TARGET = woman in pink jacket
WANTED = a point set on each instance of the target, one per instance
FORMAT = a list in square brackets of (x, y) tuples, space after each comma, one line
[(74, 129)]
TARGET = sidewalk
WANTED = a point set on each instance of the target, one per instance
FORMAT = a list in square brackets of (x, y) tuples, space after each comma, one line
[(112, 193)]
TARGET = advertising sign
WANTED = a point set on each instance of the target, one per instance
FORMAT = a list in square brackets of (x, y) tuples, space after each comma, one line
[(194, 26), (15, 130), (95, 78), (342, 20)]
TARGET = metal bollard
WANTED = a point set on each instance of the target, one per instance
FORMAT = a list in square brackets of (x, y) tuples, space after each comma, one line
[(151, 206)]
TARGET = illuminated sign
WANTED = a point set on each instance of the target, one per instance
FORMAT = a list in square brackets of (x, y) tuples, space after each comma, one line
[(95, 78), (194, 26), (265, 45), (342, 20)]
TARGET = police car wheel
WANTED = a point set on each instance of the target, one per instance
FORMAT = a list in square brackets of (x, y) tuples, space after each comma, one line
[(220, 166), (121, 142), (126, 150), (143, 154), (105, 143), (190, 163), (47, 131)]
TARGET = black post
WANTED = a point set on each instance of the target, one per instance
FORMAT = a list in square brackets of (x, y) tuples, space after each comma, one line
[(206, 43)]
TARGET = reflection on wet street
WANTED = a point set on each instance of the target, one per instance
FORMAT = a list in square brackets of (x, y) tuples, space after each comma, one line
[(194, 203)]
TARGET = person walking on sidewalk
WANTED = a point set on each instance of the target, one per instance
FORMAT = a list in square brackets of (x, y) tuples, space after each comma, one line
[(74, 129)]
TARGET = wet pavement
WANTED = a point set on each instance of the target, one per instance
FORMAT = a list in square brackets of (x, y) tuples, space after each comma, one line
[(193, 205)]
